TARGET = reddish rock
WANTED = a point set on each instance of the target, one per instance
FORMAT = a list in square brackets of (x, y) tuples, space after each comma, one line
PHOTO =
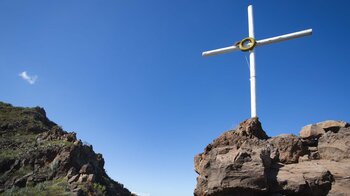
[(335, 146), (304, 178), (311, 131), (234, 162), (251, 128), (245, 162), (333, 125), (288, 148)]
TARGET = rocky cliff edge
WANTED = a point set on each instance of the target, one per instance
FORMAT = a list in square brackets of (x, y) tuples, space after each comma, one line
[(245, 161)]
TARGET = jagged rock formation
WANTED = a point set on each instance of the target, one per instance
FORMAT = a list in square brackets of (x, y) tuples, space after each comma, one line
[(37, 156), (245, 161)]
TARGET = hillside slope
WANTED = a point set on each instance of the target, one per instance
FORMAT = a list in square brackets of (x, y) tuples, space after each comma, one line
[(37, 157)]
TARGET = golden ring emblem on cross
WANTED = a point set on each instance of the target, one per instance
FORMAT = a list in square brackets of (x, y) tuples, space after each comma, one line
[(247, 44)]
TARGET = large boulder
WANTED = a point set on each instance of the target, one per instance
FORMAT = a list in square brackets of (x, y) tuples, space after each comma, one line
[(341, 174), (234, 163), (251, 128), (288, 148), (317, 130), (233, 170), (335, 146), (311, 131), (333, 125), (305, 178)]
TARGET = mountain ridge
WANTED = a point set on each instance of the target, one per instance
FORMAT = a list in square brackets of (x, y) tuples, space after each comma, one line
[(38, 157)]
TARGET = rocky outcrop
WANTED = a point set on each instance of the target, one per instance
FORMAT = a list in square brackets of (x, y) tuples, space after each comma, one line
[(333, 125), (305, 178), (38, 156), (233, 162), (335, 146), (311, 131), (287, 148), (245, 161)]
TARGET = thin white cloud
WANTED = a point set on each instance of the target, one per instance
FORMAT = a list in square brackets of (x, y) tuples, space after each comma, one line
[(28, 78)]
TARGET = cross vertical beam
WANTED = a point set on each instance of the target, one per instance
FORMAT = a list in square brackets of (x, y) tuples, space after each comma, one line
[(252, 64)]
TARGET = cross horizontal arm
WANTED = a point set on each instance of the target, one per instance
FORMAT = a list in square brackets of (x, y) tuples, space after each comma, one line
[(220, 51), (284, 37), (260, 42)]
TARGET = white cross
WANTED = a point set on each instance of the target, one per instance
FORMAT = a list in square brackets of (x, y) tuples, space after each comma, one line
[(249, 44)]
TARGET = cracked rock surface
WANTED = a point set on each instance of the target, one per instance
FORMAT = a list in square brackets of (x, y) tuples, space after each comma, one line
[(245, 161)]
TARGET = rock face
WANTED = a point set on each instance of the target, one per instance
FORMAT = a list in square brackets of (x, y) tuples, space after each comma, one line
[(335, 146), (311, 131), (38, 156), (245, 161), (233, 162)]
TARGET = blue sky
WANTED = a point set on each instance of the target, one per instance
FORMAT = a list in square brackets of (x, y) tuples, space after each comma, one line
[(129, 78)]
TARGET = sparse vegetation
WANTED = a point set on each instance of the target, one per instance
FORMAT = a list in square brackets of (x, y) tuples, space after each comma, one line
[(23, 120), (24, 143), (54, 187), (100, 189), (60, 143)]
